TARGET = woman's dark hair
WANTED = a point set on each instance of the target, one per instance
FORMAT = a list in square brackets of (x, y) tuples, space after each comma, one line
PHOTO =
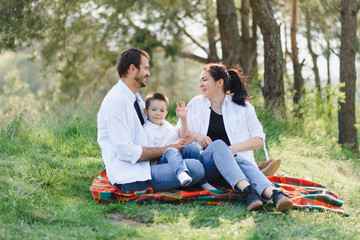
[(128, 57), (233, 81)]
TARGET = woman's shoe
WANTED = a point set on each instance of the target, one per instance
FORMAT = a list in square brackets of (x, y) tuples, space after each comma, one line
[(253, 201), (269, 168), (281, 201)]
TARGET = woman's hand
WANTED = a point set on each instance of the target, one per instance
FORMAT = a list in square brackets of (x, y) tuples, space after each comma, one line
[(181, 110), (233, 149), (248, 145), (203, 140)]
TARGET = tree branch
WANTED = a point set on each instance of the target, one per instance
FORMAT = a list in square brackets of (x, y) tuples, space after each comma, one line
[(193, 57), (192, 38), (133, 24), (91, 85), (332, 50)]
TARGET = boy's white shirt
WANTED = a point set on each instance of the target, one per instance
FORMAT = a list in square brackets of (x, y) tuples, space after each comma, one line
[(161, 136)]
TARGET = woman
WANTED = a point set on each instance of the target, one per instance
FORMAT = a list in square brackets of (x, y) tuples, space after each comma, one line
[(226, 127)]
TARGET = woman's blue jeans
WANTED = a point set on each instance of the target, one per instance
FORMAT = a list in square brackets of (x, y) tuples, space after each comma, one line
[(222, 168), (164, 173)]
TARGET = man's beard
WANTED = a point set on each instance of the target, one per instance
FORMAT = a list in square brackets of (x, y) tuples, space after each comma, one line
[(140, 81)]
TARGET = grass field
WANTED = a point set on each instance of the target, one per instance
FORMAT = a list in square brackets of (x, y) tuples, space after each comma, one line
[(48, 165)]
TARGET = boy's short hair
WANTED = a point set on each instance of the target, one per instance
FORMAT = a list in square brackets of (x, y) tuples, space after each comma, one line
[(155, 96)]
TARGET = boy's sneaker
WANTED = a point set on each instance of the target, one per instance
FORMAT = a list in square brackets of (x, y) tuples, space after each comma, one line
[(184, 179), (281, 201), (253, 201)]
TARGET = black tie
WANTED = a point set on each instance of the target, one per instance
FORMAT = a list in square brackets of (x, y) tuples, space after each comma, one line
[(137, 108)]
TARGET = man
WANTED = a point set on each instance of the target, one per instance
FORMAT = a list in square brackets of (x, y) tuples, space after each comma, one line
[(122, 138)]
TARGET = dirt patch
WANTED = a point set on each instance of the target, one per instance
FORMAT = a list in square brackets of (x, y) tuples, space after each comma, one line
[(121, 219)]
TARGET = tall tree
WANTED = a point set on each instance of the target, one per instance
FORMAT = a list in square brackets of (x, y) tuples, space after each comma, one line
[(273, 89), (298, 79), (229, 32), (346, 114), (211, 32), (248, 41), (314, 56)]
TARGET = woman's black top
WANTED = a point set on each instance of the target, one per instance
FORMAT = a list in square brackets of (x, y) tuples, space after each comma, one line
[(217, 128)]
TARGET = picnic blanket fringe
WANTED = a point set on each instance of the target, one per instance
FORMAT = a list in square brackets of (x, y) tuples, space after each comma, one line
[(304, 194)]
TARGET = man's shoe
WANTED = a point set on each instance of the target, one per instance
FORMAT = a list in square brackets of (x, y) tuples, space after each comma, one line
[(281, 201), (269, 168), (253, 201)]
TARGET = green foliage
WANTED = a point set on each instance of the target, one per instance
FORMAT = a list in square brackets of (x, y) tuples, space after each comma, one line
[(144, 40), (20, 22), (319, 113), (80, 41)]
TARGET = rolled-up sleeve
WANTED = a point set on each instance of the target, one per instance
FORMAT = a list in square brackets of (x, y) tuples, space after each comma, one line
[(254, 126)]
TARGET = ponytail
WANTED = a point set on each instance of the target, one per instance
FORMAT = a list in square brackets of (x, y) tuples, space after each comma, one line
[(237, 87)]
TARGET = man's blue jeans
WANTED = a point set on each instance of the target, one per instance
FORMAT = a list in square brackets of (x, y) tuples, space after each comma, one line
[(222, 168), (164, 173)]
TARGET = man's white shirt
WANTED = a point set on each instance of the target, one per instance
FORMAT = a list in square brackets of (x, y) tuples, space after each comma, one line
[(121, 136)]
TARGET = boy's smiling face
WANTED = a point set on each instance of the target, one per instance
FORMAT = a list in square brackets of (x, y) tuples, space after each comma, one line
[(157, 111)]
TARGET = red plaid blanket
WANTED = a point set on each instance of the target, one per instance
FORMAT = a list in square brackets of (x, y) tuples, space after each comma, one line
[(305, 194)]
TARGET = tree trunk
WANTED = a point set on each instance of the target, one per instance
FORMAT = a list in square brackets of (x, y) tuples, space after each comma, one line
[(273, 89), (254, 69), (286, 55), (210, 25), (229, 32), (328, 83), (346, 114), (298, 80), (327, 56), (314, 56), (248, 42)]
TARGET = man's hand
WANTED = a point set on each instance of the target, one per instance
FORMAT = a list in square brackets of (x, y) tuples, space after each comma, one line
[(181, 110), (179, 145)]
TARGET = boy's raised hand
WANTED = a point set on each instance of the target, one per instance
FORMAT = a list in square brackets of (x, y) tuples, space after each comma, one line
[(181, 110)]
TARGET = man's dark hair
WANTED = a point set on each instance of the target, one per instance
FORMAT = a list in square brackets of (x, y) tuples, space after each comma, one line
[(128, 57), (155, 96)]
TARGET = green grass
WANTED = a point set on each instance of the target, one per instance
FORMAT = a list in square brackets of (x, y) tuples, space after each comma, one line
[(48, 165)]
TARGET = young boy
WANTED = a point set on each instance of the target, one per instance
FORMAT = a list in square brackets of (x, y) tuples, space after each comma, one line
[(160, 132)]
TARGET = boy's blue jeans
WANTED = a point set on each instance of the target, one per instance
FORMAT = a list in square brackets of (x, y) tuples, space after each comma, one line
[(164, 173)]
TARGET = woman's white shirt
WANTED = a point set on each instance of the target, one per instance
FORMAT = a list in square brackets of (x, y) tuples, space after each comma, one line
[(241, 122)]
